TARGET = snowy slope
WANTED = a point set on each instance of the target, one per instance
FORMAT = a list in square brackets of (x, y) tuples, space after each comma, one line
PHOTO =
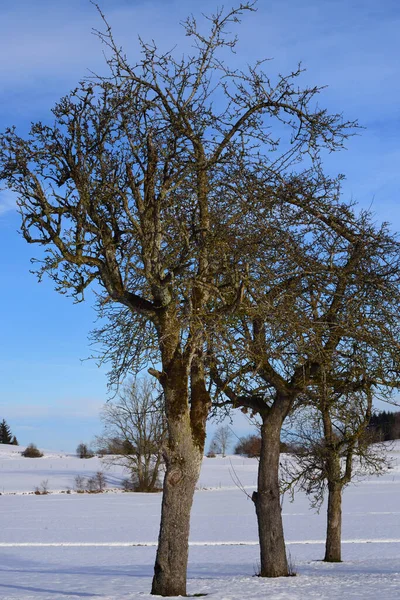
[(103, 546), (19, 474)]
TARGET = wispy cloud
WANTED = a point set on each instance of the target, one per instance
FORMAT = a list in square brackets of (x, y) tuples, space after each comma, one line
[(48, 43), (74, 408), (7, 202), (352, 47)]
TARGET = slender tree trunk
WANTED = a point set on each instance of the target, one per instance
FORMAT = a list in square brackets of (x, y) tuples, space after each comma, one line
[(273, 561), (335, 487), (334, 524)]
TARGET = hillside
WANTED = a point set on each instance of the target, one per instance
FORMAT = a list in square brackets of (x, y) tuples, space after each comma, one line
[(102, 546)]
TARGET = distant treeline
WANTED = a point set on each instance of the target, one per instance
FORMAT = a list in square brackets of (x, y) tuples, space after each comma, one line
[(385, 426), (6, 437), (250, 446)]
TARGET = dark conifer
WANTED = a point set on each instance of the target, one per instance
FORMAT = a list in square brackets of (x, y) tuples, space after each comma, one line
[(5, 433)]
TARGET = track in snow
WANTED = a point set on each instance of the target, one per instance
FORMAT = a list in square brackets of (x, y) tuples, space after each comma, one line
[(154, 544)]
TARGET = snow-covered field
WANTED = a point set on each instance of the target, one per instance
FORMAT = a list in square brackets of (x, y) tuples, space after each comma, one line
[(61, 546)]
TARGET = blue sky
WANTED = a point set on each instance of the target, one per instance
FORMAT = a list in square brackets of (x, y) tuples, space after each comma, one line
[(47, 394)]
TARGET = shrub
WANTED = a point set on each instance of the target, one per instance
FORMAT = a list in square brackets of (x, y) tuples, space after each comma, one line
[(288, 448), (214, 449), (133, 484), (91, 485), (43, 488), (80, 484), (97, 483), (249, 446), (127, 485), (100, 480), (32, 451)]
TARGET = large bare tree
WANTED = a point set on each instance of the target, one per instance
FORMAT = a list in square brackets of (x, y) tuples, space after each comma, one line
[(134, 187)]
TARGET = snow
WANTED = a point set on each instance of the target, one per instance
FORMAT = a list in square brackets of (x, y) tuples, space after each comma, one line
[(103, 545)]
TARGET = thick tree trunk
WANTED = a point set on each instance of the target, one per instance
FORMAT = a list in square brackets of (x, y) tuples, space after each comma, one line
[(334, 524), (186, 436), (273, 561), (182, 473)]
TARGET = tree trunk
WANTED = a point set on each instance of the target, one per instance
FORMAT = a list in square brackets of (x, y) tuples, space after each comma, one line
[(184, 455), (334, 525), (335, 487), (182, 473), (273, 561)]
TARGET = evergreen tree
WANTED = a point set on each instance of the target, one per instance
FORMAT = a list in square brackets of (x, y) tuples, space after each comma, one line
[(14, 441), (5, 433), (385, 426)]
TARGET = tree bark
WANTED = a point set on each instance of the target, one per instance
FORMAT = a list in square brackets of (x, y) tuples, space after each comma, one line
[(335, 487), (273, 561), (182, 473), (184, 455), (334, 524)]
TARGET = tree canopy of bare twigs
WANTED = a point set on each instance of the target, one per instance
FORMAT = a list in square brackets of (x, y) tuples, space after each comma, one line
[(221, 439), (330, 316)]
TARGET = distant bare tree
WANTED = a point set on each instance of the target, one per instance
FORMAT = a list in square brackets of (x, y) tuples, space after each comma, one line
[(135, 433), (221, 439)]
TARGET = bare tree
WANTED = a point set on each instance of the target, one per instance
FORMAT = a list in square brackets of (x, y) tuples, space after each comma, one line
[(136, 188), (338, 291), (333, 448), (221, 439), (135, 434)]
